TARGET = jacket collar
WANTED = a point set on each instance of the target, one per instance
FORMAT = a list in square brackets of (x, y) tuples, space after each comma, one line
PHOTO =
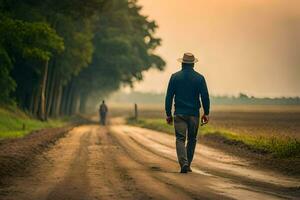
[(188, 68)]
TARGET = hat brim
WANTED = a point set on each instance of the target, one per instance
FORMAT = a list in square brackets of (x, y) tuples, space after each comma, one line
[(188, 62)]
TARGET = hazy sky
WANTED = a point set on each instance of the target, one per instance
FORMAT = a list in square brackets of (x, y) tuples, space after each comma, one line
[(250, 46)]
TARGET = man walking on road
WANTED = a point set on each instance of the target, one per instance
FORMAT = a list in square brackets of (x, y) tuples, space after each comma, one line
[(187, 86), (103, 113)]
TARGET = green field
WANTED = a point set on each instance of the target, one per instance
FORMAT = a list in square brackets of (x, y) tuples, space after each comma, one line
[(15, 123)]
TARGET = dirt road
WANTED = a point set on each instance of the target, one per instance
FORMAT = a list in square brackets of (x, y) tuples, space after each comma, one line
[(125, 162)]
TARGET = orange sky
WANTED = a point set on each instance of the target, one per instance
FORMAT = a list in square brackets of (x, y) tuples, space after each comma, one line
[(247, 46)]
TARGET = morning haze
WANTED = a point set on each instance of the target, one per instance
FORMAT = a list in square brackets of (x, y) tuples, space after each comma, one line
[(249, 46)]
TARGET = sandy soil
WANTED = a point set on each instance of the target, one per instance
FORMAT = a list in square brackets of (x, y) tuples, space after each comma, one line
[(16, 154), (124, 162)]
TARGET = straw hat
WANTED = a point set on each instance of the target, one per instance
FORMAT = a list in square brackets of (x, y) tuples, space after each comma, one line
[(188, 58)]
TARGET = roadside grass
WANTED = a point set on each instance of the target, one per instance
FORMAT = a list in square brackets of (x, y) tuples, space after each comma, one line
[(15, 123), (278, 146)]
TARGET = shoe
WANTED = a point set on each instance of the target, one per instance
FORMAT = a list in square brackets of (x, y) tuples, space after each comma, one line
[(189, 169), (184, 169)]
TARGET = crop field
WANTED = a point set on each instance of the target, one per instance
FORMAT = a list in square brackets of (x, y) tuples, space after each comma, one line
[(275, 129), (259, 120)]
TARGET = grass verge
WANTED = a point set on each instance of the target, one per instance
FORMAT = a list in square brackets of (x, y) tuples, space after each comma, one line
[(14, 123), (278, 146)]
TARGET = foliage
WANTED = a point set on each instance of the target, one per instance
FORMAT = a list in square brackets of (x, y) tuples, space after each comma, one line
[(124, 46), (29, 40), (59, 54), (7, 84)]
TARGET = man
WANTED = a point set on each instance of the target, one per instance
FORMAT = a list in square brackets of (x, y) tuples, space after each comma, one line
[(103, 112), (187, 86)]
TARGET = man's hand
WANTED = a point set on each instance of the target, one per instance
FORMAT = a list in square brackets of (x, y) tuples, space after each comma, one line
[(204, 119), (169, 120)]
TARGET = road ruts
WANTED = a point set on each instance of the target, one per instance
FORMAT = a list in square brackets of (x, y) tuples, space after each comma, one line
[(124, 162)]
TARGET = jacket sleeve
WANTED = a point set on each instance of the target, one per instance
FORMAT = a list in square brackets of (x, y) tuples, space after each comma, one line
[(204, 97), (169, 97)]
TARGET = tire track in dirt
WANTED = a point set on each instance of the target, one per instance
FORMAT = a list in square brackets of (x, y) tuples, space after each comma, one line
[(123, 162), (166, 171), (215, 160), (75, 184), (244, 182), (88, 164), (107, 179), (48, 171), (223, 165), (145, 176), (228, 184)]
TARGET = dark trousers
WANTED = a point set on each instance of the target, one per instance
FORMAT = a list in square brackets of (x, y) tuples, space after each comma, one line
[(186, 127), (102, 118)]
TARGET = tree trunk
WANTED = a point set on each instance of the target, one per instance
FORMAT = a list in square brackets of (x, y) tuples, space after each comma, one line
[(58, 101), (70, 99), (48, 84), (31, 105), (42, 113), (36, 102), (83, 101), (63, 101), (76, 101), (51, 90)]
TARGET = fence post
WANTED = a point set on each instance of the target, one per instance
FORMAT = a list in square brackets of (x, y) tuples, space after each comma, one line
[(135, 112)]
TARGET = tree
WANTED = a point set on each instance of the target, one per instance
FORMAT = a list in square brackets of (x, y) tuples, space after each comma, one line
[(7, 84), (124, 45), (31, 41), (243, 96), (60, 54)]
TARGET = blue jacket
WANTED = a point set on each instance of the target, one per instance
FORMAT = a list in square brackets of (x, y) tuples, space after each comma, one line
[(187, 86)]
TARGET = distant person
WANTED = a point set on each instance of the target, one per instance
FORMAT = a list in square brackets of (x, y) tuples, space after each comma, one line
[(187, 86), (103, 113)]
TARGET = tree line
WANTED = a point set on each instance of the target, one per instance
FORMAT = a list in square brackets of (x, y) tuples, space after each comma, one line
[(241, 99), (56, 55)]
